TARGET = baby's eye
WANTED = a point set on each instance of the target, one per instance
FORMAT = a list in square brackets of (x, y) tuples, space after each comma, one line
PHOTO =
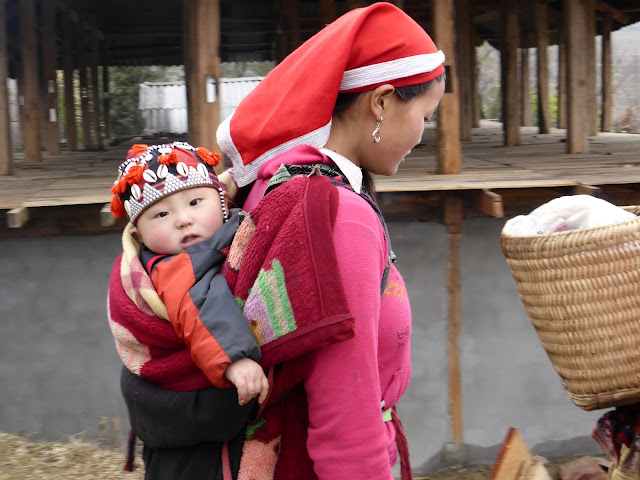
[(194, 202), (161, 214)]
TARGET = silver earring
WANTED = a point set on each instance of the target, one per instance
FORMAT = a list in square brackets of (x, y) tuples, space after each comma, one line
[(375, 136)]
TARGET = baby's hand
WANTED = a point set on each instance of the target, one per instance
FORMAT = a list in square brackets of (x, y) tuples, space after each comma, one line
[(249, 379)]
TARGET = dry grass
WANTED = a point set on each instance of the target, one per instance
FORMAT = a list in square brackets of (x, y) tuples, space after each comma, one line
[(22, 459)]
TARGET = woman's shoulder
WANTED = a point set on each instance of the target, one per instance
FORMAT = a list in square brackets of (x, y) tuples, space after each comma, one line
[(352, 206), (356, 218)]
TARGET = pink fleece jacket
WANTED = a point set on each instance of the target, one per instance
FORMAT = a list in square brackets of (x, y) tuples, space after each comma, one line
[(347, 437)]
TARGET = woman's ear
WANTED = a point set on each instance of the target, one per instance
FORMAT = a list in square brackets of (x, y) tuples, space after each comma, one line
[(380, 97)]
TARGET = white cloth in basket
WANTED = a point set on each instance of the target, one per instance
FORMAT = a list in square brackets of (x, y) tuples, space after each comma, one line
[(567, 213)]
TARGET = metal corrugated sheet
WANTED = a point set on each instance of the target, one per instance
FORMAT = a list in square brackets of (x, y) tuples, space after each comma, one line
[(164, 105)]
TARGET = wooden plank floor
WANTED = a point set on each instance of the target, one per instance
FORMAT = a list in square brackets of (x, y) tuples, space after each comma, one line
[(540, 161), (84, 178)]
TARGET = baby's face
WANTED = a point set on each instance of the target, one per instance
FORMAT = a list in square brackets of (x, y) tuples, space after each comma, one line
[(180, 220)]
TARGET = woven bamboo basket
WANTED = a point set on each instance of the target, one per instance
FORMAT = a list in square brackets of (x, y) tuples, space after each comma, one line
[(581, 291)]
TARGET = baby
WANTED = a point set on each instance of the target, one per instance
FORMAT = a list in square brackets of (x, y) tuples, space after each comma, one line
[(173, 199)]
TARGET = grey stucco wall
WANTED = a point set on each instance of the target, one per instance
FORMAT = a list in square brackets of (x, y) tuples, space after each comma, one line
[(59, 370), (507, 379), (58, 365)]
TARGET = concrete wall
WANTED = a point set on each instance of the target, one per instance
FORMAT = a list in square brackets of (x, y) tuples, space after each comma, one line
[(59, 370)]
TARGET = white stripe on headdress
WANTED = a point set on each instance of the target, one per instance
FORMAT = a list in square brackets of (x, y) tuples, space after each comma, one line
[(245, 174), (391, 70)]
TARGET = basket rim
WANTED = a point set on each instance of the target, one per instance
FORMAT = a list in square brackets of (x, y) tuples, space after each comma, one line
[(508, 236)]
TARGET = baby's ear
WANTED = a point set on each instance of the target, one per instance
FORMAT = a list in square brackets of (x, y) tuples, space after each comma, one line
[(134, 233)]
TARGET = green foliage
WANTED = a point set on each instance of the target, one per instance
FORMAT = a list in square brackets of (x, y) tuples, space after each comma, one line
[(492, 103), (125, 91)]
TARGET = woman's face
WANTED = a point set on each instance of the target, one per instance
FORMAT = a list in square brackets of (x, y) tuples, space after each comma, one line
[(401, 129)]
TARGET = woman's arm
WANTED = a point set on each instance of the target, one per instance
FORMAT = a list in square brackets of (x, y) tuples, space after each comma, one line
[(168, 419)]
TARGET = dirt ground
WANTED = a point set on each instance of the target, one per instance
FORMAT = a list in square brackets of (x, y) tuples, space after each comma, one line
[(21, 459), (481, 473)]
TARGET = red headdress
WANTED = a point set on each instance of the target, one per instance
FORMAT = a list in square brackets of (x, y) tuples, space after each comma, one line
[(292, 105)]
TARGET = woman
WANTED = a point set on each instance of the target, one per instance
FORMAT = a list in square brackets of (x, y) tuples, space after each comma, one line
[(354, 99)]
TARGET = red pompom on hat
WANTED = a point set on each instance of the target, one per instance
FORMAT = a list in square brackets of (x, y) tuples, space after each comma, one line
[(361, 50)]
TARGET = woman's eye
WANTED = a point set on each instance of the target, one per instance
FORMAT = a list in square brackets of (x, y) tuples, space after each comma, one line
[(194, 202)]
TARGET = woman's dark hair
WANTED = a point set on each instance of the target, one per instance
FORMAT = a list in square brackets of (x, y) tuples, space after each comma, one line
[(345, 100)]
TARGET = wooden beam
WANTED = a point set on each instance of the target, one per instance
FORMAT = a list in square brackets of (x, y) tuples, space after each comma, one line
[(490, 16), (52, 130), (6, 155), (576, 56), (453, 213), (69, 97), (31, 125), (525, 89), (607, 97), (619, 15), (509, 41), (448, 151), (542, 41), (489, 203), (17, 217)]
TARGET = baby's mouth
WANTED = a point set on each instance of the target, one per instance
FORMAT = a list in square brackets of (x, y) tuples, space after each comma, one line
[(189, 240)]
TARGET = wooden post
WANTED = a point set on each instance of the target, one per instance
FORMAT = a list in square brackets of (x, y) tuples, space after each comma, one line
[(84, 90), (292, 14), (607, 100), (202, 69), (542, 39), (69, 100), (592, 96), (525, 89), (328, 11), (106, 100), (6, 155), (52, 130), (477, 107), (575, 14), (562, 76), (31, 125), (509, 69), (448, 154), (453, 213), (96, 137), (464, 64)]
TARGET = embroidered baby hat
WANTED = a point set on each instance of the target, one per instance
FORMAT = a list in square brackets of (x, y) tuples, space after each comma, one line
[(361, 50), (151, 172)]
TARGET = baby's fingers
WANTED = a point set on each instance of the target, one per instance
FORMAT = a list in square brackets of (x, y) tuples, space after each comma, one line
[(243, 392), (264, 390)]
